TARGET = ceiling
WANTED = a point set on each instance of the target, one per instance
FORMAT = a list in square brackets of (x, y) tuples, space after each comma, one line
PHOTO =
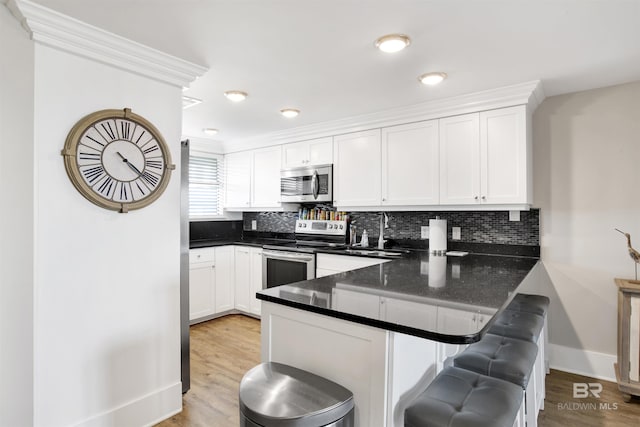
[(318, 55)]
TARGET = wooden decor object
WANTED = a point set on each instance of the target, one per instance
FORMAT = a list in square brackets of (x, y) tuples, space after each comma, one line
[(628, 367)]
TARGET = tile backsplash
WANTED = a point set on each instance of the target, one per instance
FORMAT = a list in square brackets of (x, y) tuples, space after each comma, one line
[(476, 226)]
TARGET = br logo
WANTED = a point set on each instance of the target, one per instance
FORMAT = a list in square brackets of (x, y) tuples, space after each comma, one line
[(583, 390)]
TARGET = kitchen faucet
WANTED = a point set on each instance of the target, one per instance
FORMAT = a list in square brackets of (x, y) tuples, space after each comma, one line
[(384, 223)]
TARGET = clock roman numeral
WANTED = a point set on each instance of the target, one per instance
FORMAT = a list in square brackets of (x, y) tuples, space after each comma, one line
[(153, 164), (106, 186), (150, 149), (89, 156), (140, 137), (150, 178), (94, 140), (93, 174), (109, 130), (123, 192), (140, 187), (125, 130)]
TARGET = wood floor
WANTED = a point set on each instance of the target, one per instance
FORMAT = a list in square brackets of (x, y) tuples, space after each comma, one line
[(222, 350)]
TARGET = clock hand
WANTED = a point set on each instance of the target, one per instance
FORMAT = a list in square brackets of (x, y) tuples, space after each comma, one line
[(124, 159)]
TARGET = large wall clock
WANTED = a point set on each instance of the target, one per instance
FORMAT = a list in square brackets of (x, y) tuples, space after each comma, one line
[(117, 160)]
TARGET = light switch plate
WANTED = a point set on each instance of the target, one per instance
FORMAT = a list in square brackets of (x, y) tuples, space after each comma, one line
[(254, 224), (424, 232), (455, 233), (514, 215)]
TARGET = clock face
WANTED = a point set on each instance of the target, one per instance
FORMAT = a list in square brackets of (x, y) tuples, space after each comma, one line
[(117, 160)]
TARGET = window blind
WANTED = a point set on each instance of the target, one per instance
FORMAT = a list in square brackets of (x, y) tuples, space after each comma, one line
[(205, 185)]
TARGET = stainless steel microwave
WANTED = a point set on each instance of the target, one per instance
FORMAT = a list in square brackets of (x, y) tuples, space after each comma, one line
[(307, 184)]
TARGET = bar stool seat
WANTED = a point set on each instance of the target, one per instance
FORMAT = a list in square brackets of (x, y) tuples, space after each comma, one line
[(518, 325), (460, 398), (528, 303), (509, 359), (500, 357)]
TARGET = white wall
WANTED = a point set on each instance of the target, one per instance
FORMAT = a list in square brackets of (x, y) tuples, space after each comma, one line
[(587, 175), (107, 346), (16, 223)]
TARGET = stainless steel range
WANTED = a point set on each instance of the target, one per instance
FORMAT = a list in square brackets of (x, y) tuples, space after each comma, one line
[(296, 261)]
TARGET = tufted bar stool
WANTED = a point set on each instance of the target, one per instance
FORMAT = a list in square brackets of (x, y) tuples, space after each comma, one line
[(507, 359), (526, 318), (461, 398)]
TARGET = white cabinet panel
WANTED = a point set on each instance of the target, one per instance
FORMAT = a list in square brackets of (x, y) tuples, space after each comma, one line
[(201, 290), (225, 278), (238, 180), (256, 280), (321, 151), (306, 153), (266, 177), (248, 268), (460, 160), (410, 164), (456, 322), (357, 168), (243, 278), (417, 315), (356, 303), (202, 283), (503, 156)]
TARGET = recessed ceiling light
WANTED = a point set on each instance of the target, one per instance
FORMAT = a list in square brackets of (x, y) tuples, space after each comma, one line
[(392, 43), (432, 78), (210, 131), (236, 95), (290, 112)]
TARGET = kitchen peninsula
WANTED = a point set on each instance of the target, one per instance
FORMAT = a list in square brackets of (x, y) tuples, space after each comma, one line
[(386, 330)]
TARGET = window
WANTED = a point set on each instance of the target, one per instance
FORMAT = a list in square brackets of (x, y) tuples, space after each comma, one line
[(205, 185)]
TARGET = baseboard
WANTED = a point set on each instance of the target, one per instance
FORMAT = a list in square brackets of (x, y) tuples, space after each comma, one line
[(582, 362), (145, 411)]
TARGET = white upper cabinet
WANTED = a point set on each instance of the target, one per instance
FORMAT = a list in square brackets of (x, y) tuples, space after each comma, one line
[(357, 168), (253, 179), (504, 172), (238, 180), (266, 177), (484, 158), (410, 164), (306, 153), (460, 160)]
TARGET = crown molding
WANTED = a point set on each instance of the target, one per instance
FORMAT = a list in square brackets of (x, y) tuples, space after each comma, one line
[(54, 29), (528, 93)]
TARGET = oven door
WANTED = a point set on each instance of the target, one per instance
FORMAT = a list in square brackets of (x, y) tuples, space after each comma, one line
[(312, 184), (282, 267)]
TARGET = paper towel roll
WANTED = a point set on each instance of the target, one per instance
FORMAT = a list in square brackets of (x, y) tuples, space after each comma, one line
[(437, 270), (437, 235)]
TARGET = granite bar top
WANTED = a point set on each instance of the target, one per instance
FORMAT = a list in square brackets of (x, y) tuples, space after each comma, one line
[(444, 298)]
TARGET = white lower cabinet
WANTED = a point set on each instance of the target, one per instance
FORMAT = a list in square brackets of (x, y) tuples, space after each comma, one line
[(202, 283), (211, 282), (248, 268), (256, 280), (225, 278), (455, 321)]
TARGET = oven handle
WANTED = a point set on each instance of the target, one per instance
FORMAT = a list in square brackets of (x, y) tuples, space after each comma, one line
[(315, 186), (287, 255)]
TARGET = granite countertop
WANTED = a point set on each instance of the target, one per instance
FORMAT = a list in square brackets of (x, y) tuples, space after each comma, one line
[(444, 298)]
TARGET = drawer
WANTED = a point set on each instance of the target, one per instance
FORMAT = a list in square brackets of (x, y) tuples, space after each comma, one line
[(207, 255)]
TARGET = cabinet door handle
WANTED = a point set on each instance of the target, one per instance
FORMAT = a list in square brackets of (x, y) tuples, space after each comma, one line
[(476, 198), (484, 198)]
